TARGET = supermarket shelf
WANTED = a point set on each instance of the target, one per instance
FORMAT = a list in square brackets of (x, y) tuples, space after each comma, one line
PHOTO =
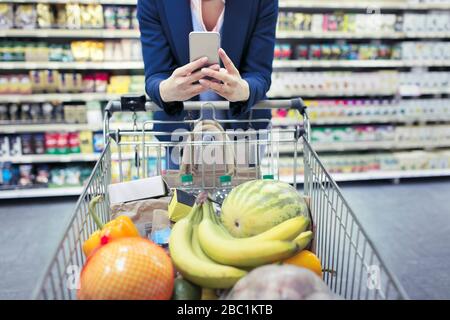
[(283, 94), (278, 64), (40, 193), (396, 5), (64, 97), (118, 65), (385, 145), (358, 64), (300, 4), (134, 34), (366, 146), (60, 127), (360, 35), (70, 33), (111, 2), (378, 175), (403, 92), (361, 120), (51, 158)]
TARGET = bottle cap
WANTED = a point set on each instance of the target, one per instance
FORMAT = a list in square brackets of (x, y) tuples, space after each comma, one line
[(187, 178), (226, 178), (268, 177)]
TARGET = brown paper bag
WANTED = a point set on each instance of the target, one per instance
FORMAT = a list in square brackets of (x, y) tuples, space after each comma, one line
[(206, 170)]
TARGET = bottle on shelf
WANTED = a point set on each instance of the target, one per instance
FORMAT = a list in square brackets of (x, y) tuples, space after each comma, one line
[(223, 190)]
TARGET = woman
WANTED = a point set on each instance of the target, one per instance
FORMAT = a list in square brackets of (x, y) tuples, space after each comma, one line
[(247, 29)]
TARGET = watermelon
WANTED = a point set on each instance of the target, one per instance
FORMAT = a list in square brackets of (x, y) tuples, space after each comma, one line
[(256, 206)]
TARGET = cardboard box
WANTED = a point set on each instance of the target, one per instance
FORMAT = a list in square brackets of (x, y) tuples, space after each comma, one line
[(141, 189)]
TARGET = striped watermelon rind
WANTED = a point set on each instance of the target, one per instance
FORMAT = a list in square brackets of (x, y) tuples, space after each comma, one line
[(256, 206)]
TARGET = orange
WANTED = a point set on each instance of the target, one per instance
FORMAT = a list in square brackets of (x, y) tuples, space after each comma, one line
[(306, 259), (127, 269)]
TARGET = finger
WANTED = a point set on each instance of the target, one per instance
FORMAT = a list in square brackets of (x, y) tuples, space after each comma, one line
[(227, 63), (197, 89), (193, 66), (215, 67), (194, 77), (222, 76), (217, 87)]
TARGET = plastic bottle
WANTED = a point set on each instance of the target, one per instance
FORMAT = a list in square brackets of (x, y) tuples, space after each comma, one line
[(187, 184), (223, 190)]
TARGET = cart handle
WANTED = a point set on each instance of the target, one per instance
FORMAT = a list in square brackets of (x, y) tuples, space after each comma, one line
[(135, 103)]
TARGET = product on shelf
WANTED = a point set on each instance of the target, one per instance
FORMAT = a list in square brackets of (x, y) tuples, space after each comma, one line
[(339, 22), (338, 51), (370, 110), (54, 143), (357, 83), (92, 16), (15, 84), (375, 162), (429, 22), (45, 17), (25, 16), (85, 50), (433, 50), (436, 134), (333, 83), (51, 81), (123, 20), (6, 16), (70, 16)]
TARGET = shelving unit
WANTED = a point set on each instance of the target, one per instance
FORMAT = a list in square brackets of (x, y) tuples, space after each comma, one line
[(378, 175), (280, 64), (367, 146), (70, 33), (66, 97), (40, 193), (293, 37), (383, 5), (118, 65), (51, 158)]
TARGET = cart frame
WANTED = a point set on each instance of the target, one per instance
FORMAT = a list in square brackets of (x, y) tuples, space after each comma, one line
[(353, 268)]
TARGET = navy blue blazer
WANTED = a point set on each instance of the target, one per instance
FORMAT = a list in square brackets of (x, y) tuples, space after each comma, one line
[(248, 37)]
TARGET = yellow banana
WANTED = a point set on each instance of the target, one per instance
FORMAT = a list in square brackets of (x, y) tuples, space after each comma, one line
[(239, 252), (286, 231), (196, 248), (197, 270)]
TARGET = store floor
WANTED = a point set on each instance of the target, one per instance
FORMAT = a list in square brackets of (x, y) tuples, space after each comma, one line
[(409, 223)]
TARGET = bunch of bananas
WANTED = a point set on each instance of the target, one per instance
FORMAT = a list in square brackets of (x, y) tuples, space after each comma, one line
[(206, 254)]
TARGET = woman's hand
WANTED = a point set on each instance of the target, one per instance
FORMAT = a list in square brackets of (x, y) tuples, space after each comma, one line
[(230, 85), (183, 83)]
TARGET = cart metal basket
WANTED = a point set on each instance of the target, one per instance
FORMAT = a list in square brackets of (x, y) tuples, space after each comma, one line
[(352, 266)]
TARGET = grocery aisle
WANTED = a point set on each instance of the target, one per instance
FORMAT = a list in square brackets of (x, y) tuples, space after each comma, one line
[(390, 214), (29, 233)]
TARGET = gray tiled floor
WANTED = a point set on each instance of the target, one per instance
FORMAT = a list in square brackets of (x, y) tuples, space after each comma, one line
[(29, 233), (409, 224)]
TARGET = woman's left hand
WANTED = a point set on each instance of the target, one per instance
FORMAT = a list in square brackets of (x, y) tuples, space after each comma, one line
[(230, 85)]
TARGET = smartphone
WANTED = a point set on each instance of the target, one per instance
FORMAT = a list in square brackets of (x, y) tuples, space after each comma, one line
[(204, 44)]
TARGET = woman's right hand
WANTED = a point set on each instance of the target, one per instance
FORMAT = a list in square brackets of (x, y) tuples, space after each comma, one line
[(183, 84)]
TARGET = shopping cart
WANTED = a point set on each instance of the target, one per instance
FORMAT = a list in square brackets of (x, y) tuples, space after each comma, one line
[(352, 266)]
